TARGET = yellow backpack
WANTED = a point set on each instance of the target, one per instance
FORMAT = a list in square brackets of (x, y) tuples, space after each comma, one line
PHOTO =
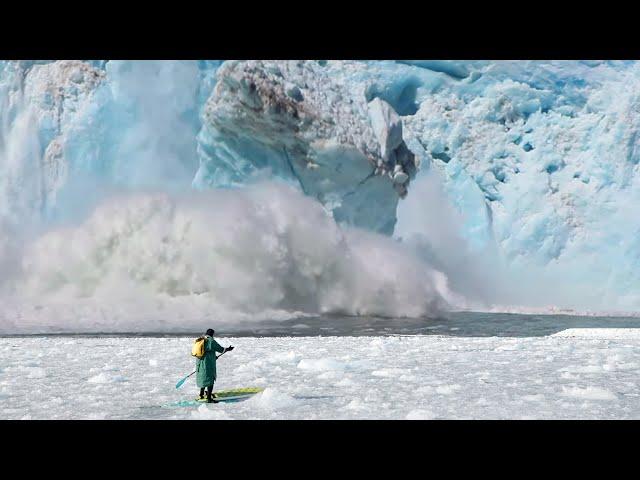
[(198, 349)]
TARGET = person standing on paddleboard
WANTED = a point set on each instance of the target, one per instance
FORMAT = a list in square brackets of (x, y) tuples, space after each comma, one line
[(206, 366)]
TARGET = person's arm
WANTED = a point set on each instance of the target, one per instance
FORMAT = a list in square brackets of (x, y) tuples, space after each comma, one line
[(216, 347)]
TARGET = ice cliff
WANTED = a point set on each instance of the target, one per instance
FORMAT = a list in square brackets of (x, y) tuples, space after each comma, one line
[(517, 179), (39, 104), (307, 122)]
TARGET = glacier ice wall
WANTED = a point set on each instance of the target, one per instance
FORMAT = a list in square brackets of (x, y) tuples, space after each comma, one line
[(517, 179), (541, 159), (314, 124), (72, 129), (38, 104)]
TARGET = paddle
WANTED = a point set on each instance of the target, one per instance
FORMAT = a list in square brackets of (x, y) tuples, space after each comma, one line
[(181, 382)]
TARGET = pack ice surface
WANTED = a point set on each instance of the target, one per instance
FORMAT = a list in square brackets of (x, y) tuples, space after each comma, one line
[(575, 374)]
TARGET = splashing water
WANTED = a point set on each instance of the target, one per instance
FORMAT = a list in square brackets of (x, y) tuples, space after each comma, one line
[(143, 259)]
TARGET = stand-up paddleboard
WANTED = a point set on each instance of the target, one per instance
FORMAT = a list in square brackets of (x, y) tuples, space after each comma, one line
[(222, 396)]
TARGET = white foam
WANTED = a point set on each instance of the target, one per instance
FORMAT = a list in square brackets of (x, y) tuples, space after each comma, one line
[(159, 262)]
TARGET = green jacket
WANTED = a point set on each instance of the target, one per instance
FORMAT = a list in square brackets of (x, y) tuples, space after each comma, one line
[(206, 366)]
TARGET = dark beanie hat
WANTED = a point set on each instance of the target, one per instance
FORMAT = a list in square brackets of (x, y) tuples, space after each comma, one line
[(210, 332)]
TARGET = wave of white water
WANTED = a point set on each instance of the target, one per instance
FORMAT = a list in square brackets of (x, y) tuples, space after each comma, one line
[(161, 262)]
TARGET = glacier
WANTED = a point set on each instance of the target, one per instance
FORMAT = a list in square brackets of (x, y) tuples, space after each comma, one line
[(307, 122), (499, 184)]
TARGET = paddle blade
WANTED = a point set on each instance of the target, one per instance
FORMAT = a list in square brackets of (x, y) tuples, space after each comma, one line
[(181, 382)]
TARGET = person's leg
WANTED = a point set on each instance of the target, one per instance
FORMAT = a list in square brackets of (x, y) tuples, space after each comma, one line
[(202, 392), (209, 393)]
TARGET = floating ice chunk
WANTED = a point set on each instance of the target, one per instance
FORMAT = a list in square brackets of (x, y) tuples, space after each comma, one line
[(356, 404), (609, 367), (345, 382), (582, 369), (600, 333), (100, 378), (106, 378), (589, 393), (330, 375), (97, 416), (534, 398), (272, 399), (36, 372), (287, 357), (205, 413), (447, 389), (425, 390), (420, 414), (389, 372), (512, 346), (320, 365)]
